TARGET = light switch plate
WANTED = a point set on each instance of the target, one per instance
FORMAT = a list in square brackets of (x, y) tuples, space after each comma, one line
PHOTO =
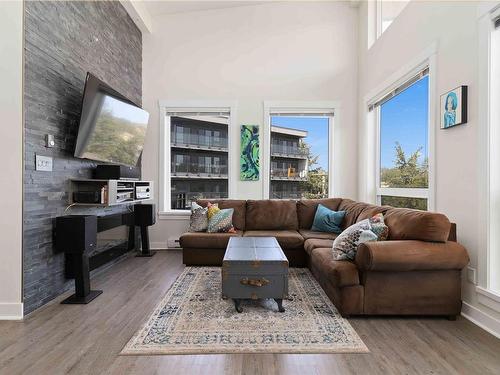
[(43, 163), (471, 275)]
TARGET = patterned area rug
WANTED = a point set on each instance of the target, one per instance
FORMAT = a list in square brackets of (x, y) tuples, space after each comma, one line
[(193, 319)]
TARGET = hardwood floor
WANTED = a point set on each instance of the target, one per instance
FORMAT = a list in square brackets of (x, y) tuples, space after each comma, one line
[(86, 339)]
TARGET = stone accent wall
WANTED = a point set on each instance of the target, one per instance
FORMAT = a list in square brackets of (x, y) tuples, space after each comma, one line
[(63, 41)]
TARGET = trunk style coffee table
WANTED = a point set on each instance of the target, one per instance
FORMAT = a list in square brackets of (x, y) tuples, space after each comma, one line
[(253, 268)]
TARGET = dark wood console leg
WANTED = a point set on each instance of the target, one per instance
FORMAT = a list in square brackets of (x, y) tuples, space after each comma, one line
[(451, 317), (237, 305), (279, 301), (83, 294)]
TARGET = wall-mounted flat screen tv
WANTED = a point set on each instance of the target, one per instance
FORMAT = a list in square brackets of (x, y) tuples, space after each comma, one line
[(112, 128)]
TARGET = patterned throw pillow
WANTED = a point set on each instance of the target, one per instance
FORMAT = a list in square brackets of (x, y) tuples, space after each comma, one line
[(213, 208), (198, 221), (378, 227), (345, 246), (221, 221)]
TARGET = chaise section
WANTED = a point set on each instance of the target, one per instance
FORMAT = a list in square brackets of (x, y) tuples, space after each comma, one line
[(340, 280)]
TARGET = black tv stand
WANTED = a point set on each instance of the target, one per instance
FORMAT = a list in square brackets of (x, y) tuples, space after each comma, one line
[(76, 235)]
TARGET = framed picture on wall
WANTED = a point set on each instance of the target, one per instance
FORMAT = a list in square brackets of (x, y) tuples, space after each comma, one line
[(453, 107), (249, 156)]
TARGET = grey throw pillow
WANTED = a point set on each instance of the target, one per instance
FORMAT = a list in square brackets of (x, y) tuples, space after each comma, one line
[(199, 218), (346, 244)]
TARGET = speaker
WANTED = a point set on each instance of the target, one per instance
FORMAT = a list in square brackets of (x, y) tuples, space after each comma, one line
[(145, 215), (116, 172), (76, 234)]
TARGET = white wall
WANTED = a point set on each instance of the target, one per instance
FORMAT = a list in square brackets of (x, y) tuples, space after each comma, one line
[(11, 154), (277, 51), (454, 27)]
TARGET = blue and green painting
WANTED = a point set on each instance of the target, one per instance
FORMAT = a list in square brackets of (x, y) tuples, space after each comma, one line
[(249, 158)]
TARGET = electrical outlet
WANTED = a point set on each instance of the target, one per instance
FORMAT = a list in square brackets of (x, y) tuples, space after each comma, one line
[(173, 243), (471, 275), (43, 163)]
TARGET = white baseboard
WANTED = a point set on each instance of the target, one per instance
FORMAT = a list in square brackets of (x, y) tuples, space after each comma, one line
[(481, 319), (161, 246), (11, 311)]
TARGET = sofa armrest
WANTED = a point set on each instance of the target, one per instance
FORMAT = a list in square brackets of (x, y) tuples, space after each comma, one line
[(410, 255)]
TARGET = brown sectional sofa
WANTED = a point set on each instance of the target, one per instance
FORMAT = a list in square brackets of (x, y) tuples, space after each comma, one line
[(416, 271)]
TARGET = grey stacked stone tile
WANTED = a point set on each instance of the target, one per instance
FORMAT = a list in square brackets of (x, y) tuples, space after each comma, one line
[(63, 41)]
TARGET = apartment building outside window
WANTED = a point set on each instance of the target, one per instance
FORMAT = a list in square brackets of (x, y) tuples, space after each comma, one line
[(197, 157), (299, 155)]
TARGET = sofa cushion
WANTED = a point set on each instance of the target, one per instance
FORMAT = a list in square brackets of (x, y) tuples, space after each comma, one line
[(408, 224), (306, 233), (340, 273), (288, 239), (371, 210), (203, 240), (271, 214), (315, 243), (353, 210), (306, 209), (238, 205)]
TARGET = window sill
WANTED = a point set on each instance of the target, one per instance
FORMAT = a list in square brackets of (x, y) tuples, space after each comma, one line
[(488, 298), (174, 215)]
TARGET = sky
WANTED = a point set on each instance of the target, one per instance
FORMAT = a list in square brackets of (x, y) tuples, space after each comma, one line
[(317, 138), (126, 111), (404, 119)]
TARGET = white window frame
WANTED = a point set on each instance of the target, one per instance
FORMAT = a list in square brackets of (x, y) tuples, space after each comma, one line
[(299, 108), (488, 176), (164, 177), (425, 59)]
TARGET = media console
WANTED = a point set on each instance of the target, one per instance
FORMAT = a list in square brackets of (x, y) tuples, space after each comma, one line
[(96, 192), (76, 236)]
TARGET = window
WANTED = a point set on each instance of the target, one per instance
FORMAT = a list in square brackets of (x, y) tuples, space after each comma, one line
[(402, 147), (196, 157), (299, 157), (493, 283), (387, 11)]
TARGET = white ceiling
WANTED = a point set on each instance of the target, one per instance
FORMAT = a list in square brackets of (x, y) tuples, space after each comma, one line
[(155, 8)]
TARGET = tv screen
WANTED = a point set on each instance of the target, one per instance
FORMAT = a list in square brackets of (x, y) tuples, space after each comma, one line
[(112, 129)]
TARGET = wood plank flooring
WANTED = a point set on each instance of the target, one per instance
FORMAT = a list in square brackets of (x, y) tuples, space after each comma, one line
[(86, 339)]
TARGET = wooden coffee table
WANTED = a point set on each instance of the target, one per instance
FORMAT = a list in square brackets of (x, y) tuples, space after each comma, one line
[(253, 268)]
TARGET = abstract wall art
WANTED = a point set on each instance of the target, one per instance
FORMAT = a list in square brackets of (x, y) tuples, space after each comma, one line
[(249, 157)]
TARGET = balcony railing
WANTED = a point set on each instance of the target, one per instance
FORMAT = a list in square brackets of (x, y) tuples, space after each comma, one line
[(299, 152), (196, 140), (288, 174), (182, 201), (195, 169), (283, 194)]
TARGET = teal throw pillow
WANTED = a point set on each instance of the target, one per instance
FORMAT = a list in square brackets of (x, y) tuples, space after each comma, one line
[(327, 220)]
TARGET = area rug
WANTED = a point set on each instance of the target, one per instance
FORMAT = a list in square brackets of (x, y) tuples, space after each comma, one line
[(192, 318)]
